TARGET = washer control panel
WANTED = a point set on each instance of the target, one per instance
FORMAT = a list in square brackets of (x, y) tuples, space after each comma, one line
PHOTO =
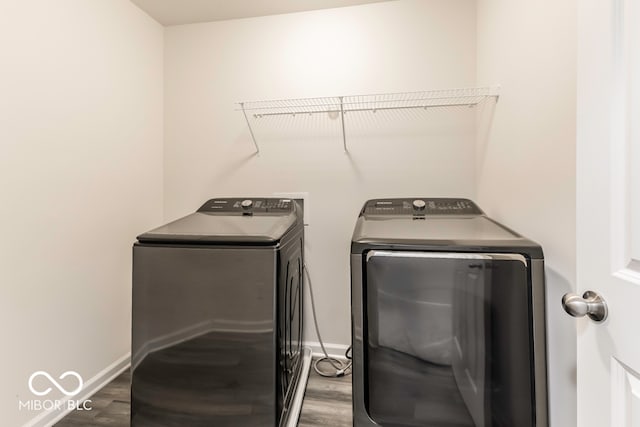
[(421, 206), (248, 206)]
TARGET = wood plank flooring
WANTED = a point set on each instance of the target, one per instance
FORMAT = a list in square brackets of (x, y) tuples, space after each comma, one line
[(327, 402)]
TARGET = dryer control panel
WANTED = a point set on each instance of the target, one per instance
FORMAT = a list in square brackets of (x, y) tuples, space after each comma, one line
[(248, 206), (421, 206)]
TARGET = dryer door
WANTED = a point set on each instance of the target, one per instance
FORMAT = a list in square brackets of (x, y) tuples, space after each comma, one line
[(448, 339)]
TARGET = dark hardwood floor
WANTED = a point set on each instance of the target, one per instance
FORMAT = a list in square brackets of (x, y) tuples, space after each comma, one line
[(327, 402)]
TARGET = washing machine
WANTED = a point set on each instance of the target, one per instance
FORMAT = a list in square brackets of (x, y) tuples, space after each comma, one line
[(217, 317), (448, 318)]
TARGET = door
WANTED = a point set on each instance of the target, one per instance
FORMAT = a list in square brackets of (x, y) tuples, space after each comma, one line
[(447, 340), (608, 210)]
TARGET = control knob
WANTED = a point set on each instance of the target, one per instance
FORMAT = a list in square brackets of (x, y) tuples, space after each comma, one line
[(246, 204), (419, 204)]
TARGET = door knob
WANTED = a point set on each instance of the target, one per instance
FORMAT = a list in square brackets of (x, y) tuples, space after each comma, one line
[(590, 304)]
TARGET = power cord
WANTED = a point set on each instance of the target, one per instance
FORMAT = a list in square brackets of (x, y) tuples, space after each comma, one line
[(341, 367)]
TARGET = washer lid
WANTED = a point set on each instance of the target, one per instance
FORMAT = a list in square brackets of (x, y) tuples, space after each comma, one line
[(434, 224), (434, 228), (233, 222)]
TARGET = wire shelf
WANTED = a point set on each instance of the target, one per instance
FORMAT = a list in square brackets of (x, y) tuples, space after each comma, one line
[(339, 106)]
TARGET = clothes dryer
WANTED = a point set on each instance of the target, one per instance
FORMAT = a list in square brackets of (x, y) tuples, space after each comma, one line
[(448, 318)]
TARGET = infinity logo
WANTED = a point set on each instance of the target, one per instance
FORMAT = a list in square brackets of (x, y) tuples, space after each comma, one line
[(55, 383)]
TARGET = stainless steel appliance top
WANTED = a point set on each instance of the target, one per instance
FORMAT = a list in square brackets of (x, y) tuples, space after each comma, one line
[(262, 221), (436, 224)]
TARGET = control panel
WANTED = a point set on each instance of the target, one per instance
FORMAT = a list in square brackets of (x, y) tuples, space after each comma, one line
[(421, 206), (248, 206)]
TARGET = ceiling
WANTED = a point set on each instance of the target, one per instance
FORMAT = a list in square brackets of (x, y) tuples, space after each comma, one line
[(177, 12)]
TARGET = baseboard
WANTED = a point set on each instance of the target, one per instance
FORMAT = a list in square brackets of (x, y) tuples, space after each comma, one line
[(102, 378), (335, 350)]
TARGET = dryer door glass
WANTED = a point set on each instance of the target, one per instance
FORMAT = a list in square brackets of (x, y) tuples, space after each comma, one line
[(448, 340)]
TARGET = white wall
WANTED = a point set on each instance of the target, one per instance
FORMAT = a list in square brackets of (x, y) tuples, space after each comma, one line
[(526, 158), (81, 174), (406, 45)]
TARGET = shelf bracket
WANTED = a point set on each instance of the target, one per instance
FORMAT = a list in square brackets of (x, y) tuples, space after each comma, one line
[(344, 135), (253, 138)]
